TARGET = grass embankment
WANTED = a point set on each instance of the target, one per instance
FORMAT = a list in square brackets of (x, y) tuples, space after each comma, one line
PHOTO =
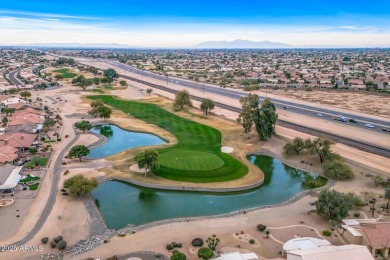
[(65, 73), (197, 156)]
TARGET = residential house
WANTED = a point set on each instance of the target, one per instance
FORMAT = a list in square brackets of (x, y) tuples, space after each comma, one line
[(237, 256), (9, 178), (21, 141), (377, 237), (8, 154), (344, 252)]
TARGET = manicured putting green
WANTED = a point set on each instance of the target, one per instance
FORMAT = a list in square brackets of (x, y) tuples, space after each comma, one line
[(198, 149), (190, 160)]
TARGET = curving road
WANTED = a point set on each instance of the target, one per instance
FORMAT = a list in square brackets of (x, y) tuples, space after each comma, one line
[(57, 169), (12, 77), (311, 110)]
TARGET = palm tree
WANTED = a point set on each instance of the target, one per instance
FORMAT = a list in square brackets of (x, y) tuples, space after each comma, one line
[(148, 160), (387, 196)]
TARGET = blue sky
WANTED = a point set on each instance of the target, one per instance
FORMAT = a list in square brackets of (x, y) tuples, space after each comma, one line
[(185, 23)]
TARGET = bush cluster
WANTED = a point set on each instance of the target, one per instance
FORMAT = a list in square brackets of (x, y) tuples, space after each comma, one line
[(173, 245), (197, 242), (327, 233), (261, 227), (205, 253)]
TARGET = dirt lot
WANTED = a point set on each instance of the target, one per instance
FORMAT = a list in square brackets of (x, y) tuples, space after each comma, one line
[(370, 103)]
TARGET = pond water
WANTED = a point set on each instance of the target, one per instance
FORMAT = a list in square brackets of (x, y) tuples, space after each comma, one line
[(119, 140), (122, 203)]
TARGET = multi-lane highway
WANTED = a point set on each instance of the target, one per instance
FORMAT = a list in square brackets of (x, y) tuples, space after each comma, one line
[(351, 141), (348, 140), (325, 113), (12, 77)]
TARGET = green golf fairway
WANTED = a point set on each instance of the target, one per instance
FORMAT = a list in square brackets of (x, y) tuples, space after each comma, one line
[(190, 160), (198, 150), (65, 73)]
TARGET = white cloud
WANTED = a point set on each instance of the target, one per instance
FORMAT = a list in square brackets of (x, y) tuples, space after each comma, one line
[(36, 14)]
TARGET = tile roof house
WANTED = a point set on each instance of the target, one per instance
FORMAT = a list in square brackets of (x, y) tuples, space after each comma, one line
[(20, 141), (27, 128), (8, 154), (22, 118), (377, 236)]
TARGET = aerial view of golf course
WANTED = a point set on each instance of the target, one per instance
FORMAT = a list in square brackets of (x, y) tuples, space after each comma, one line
[(197, 156)]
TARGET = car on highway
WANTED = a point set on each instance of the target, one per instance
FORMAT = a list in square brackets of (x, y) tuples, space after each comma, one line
[(352, 120), (319, 114), (385, 130), (342, 118), (286, 107), (369, 125)]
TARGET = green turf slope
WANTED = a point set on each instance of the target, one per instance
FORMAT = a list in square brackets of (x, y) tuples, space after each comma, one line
[(197, 157)]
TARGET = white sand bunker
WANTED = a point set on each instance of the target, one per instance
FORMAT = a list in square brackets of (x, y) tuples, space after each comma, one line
[(135, 168), (247, 238), (227, 149)]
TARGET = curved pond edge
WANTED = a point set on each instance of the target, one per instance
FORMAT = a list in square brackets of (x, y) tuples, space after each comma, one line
[(99, 228), (287, 162), (98, 225), (219, 190), (102, 139)]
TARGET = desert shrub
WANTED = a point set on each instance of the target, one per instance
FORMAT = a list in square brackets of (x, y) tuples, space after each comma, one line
[(197, 242), (252, 241), (356, 214), (261, 227), (251, 87), (337, 170), (61, 245), (43, 138), (157, 255), (327, 233), (58, 239), (174, 245), (53, 244), (66, 136), (205, 253), (45, 240), (176, 255), (121, 235)]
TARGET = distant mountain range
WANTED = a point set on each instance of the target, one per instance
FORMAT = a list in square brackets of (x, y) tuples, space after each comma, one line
[(241, 44), (236, 44), (80, 45)]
